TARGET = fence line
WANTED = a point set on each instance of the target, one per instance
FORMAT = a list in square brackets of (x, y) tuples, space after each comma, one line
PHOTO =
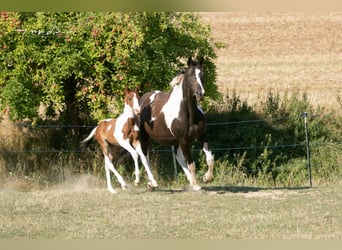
[(66, 151), (92, 126), (246, 121), (56, 126), (171, 150)]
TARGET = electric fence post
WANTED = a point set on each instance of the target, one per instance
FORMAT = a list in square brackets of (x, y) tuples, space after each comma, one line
[(307, 142)]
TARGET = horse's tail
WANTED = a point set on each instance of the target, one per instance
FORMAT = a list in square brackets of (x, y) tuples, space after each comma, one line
[(86, 142), (147, 128)]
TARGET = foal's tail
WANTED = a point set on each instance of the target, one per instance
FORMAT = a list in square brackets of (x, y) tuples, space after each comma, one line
[(86, 142)]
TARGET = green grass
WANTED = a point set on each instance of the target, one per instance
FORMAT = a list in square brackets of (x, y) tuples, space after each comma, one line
[(214, 213)]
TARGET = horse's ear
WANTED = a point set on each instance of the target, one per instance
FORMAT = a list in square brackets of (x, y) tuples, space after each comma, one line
[(138, 88), (189, 61), (201, 61), (126, 89)]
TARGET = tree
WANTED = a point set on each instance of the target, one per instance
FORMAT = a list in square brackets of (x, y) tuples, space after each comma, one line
[(73, 67)]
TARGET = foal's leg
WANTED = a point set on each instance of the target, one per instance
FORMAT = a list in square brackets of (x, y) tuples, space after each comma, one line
[(143, 140), (110, 167), (126, 145), (188, 170), (109, 184), (107, 168), (145, 162)]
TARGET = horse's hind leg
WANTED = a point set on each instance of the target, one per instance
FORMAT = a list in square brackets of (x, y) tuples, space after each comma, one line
[(107, 169)]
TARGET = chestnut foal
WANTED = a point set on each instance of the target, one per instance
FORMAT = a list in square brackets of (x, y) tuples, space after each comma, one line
[(121, 132)]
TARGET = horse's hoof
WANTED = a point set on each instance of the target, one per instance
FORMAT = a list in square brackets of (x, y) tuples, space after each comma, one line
[(136, 183), (151, 186), (196, 188), (112, 191), (207, 178)]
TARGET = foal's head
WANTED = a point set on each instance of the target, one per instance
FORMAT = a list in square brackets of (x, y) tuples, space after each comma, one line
[(132, 100), (193, 75)]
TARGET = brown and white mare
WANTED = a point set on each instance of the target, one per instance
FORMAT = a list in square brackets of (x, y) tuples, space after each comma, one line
[(121, 132), (175, 118)]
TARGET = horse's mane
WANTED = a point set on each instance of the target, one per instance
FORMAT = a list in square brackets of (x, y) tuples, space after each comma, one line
[(177, 79)]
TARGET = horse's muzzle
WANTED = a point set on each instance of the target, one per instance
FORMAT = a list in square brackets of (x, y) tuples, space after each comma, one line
[(137, 111)]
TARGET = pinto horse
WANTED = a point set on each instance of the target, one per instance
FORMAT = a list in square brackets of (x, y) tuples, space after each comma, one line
[(175, 118), (121, 132)]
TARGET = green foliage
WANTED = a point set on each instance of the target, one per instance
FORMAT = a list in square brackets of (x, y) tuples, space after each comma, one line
[(293, 173), (74, 66), (271, 150)]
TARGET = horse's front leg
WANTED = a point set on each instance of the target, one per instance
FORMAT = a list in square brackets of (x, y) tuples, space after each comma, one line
[(126, 145), (152, 183), (209, 175), (190, 170)]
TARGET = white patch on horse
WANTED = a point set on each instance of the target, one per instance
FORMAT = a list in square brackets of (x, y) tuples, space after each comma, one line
[(121, 121), (109, 127), (180, 159), (209, 156), (136, 127), (171, 109), (153, 96), (197, 73), (136, 106), (128, 111)]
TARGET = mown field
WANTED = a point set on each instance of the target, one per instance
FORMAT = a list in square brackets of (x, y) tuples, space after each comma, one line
[(281, 52), (217, 212)]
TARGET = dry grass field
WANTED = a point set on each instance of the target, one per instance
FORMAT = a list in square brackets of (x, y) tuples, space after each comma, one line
[(281, 52), (80, 211)]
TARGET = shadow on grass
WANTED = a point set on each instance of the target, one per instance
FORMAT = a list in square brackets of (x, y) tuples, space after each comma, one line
[(216, 189), (223, 189), (246, 189)]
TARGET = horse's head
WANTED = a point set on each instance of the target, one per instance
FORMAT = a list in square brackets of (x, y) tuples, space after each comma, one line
[(132, 100), (194, 77)]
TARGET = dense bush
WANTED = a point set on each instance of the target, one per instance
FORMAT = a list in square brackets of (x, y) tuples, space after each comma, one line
[(73, 67)]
